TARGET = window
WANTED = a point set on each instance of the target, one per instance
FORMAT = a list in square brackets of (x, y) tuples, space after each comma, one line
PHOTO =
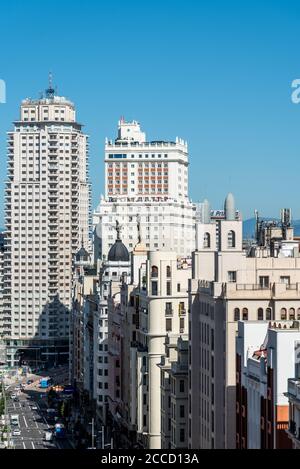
[(236, 314), (285, 279), (264, 282), (169, 310), (260, 314), (178, 287), (231, 276), (231, 239), (292, 313), (283, 313), (268, 314), (181, 385), (181, 411), (168, 270), (298, 313), (168, 325), (182, 435), (154, 271), (181, 325), (154, 288), (169, 293), (206, 243), (245, 314)]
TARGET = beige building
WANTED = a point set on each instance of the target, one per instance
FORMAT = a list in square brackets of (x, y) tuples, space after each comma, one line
[(85, 286), (174, 394), (46, 215), (229, 284), (154, 312), (149, 179)]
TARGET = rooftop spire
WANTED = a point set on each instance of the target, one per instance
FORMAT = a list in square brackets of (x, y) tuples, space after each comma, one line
[(50, 92)]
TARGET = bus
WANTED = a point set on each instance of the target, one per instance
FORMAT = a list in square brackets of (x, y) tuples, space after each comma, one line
[(45, 382)]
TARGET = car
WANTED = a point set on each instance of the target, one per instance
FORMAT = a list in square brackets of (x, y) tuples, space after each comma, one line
[(13, 396), (16, 399), (29, 381), (34, 407), (16, 433)]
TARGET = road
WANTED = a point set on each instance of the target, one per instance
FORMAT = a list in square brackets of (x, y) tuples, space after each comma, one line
[(33, 423)]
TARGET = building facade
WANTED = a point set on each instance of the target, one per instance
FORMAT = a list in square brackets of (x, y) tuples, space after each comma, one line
[(115, 270), (148, 180), (265, 359), (153, 312), (46, 214), (230, 284)]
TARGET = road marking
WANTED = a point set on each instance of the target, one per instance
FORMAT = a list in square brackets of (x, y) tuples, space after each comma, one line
[(24, 446), (33, 447), (25, 421)]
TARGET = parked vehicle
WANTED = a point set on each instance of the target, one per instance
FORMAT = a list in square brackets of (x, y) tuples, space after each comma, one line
[(60, 431), (48, 436), (14, 420)]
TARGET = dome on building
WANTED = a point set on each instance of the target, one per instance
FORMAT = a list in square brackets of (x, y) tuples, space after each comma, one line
[(229, 207), (82, 255), (118, 252)]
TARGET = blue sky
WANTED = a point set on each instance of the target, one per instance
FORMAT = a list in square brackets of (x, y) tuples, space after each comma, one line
[(216, 73)]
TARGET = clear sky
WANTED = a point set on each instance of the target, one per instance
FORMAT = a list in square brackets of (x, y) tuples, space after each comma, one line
[(216, 73)]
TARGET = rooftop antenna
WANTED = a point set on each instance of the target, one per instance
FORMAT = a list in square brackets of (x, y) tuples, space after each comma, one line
[(256, 224), (50, 92)]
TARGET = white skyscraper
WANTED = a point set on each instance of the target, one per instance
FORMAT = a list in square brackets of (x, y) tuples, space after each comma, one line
[(149, 179), (47, 219)]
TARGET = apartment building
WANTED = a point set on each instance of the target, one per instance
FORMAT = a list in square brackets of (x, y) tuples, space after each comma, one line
[(293, 396), (174, 394), (2, 320), (153, 311), (115, 270), (265, 359), (148, 180), (231, 284), (46, 214), (84, 299)]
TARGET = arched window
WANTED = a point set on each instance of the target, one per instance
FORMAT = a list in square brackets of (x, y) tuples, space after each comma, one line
[(168, 271), (260, 314), (283, 313), (298, 313), (268, 314), (206, 240), (231, 239), (245, 314), (292, 313), (154, 271), (236, 314)]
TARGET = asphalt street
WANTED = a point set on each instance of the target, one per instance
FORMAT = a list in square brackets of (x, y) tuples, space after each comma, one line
[(33, 423)]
